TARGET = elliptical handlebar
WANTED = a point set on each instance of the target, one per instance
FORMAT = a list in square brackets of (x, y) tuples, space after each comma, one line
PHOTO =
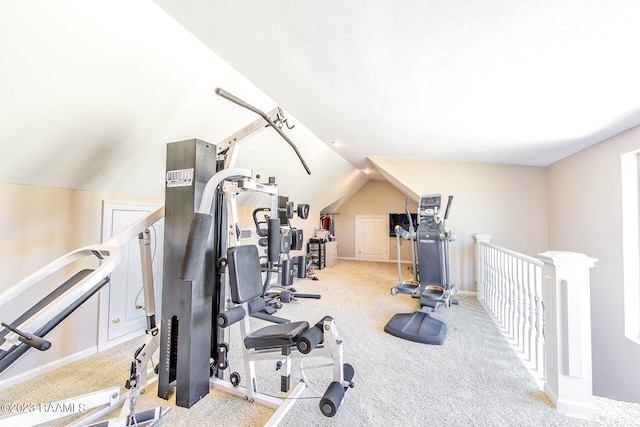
[(406, 209), (401, 232), (446, 212)]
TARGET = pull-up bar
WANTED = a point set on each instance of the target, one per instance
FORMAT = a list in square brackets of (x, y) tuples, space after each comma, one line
[(262, 114)]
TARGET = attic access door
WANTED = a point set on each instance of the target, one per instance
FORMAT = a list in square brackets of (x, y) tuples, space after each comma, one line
[(372, 238), (122, 315)]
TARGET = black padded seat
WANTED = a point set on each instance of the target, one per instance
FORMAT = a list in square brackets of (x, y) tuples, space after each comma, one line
[(279, 335), (245, 281)]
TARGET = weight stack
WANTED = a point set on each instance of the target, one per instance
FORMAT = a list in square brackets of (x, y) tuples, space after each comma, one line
[(186, 321)]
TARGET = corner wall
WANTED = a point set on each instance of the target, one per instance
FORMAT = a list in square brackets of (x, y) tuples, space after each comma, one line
[(374, 198), (507, 201), (585, 215)]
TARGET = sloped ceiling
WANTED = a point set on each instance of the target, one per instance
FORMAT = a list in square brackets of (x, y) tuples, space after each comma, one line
[(525, 82), (92, 91)]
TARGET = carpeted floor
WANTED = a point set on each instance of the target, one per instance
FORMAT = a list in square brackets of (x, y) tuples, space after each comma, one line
[(473, 379)]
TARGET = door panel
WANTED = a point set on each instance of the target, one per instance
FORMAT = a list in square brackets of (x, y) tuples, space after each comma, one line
[(372, 239)]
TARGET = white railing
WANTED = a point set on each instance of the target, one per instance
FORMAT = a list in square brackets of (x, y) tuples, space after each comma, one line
[(510, 289), (543, 307)]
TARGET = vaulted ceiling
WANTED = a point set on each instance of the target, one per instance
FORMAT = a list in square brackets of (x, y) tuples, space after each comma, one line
[(488, 80)]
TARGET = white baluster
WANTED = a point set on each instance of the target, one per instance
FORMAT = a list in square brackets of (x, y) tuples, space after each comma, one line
[(526, 307), (539, 313), (519, 304)]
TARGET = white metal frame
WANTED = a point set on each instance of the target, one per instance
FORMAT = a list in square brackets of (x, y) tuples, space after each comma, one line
[(107, 253), (103, 400), (330, 348)]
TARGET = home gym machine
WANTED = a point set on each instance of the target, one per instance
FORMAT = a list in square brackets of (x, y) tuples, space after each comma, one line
[(278, 288), (200, 226), (433, 286)]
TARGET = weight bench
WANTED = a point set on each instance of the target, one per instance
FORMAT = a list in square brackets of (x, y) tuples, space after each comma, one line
[(279, 342)]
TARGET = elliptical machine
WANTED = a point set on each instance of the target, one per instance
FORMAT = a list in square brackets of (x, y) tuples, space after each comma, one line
[(433, 287), (411, 287), (432, 236), (433, 239)]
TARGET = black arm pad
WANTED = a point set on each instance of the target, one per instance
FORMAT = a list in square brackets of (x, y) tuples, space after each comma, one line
[(194, 254), (231, 316)]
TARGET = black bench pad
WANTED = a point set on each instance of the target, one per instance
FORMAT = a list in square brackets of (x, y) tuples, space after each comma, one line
[(279, 335)]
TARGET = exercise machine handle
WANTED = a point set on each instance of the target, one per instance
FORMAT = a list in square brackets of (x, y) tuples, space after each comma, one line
[(262, 114), (406, 209), (259, 230), (29, 339), (446, 212)]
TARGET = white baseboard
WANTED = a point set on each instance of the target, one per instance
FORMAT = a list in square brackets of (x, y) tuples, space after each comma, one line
[(24, 376), (467, 293), (373, 260)]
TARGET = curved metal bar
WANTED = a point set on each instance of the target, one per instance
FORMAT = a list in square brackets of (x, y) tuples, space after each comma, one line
[(262, 114), (206, 203)]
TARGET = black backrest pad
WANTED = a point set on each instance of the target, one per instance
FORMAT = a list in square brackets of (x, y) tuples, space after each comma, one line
[(245, 276)]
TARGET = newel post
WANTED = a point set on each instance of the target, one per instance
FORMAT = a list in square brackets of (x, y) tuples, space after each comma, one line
[(480, 264), (567, 332)]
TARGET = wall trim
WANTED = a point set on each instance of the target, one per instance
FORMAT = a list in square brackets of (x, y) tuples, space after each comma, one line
[(392, 261)]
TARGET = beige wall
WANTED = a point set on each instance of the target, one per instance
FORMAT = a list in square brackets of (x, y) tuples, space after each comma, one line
[(585, 216), (509, 202), (38, 225), (374, 198)]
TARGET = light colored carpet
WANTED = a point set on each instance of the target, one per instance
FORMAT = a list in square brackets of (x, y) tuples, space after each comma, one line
[(474, 379)]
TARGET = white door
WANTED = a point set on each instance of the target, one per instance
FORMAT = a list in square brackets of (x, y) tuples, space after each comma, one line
[(372, 237), (122, 315)]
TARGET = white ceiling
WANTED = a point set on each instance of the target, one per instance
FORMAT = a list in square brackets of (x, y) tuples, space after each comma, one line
[(486, 80)]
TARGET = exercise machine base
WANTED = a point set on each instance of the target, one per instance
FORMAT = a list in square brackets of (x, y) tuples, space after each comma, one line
[(417, 327)]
